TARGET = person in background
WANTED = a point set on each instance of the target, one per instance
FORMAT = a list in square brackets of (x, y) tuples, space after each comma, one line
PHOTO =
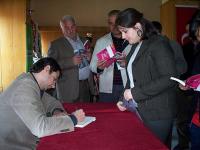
[(73, 57), (149, 68), (194, 33), (181, 65), (28, 113), (112, 79), (183, 103), (185, 38)]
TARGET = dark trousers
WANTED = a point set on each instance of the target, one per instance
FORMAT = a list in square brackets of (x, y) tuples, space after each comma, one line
[(112, 97), (195, 137), (84, 91), (185, 109)]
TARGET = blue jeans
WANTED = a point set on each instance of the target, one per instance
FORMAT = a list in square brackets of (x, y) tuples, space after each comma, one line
[(195, 137)]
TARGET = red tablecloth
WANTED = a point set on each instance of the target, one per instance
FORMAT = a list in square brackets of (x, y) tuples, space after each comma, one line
[(112, 130)]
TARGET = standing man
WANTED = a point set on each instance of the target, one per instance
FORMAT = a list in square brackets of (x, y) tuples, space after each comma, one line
[(28, 113), (70, 53), (112, 78)]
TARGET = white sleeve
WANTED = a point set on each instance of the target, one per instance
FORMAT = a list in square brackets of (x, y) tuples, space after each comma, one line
[(93, 63)]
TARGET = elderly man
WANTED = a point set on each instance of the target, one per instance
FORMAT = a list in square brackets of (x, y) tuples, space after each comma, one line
[(112, 79), (28, 113), (73, 58)]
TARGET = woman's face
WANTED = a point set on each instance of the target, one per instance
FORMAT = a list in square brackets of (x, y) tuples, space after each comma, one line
[(131, 34)]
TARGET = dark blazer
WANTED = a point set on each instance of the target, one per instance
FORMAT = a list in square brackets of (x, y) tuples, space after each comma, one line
[(68, 85), (152, 69)]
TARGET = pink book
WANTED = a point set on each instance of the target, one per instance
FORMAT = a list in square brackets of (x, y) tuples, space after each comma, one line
[(192, 82), (107, 54)]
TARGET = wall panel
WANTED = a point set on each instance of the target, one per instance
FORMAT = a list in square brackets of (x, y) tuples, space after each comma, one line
[(12, 39)]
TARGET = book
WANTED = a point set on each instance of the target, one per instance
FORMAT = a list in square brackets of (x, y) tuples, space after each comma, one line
[(107, 54), (87, 45), (191, 82), (86, 121)]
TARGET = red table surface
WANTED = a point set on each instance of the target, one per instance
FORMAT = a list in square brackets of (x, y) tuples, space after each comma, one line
[(112, 130)]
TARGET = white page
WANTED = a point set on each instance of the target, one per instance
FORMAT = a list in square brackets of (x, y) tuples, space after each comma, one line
[(86, 121), (178, 80)]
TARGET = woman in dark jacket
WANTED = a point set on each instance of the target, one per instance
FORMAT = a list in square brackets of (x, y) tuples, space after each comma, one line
[(149, 68), (194, 33)]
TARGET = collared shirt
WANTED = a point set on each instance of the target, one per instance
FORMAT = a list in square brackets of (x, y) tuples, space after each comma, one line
[(84, 70)]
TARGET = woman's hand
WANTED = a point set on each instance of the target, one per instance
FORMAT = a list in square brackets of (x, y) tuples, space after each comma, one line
[(120, 107), (127, 94)]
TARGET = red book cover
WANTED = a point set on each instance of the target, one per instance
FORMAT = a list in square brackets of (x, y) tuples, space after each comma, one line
[(191, 82), (107, 54), (195, 119)]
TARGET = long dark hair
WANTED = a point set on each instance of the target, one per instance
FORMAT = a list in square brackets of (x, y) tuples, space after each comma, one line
[(43, 62), (130, 16), (194, 25)]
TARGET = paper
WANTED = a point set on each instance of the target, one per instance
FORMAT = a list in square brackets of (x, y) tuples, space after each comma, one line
[(86, 121), (132, 106), (178, 80)]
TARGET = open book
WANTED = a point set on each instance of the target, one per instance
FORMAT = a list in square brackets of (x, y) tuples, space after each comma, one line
[(107, 54), (86, 121), (192, 82)]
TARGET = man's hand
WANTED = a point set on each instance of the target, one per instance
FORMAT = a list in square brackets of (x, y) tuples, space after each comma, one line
[(119, 105), (77, 59), (184, 88), (101, 64), (127, 94), (122, 60), (79, 114), (87, 54)]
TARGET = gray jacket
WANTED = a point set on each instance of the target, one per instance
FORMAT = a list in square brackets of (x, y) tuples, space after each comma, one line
[(23, 115)]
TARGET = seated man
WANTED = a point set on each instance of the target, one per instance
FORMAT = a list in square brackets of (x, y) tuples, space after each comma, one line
[(28, 113)]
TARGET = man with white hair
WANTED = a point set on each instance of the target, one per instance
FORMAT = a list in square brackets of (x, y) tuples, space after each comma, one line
[(73, 57)]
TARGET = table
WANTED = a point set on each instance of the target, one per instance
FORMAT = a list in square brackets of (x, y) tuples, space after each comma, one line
[(112, 130)]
